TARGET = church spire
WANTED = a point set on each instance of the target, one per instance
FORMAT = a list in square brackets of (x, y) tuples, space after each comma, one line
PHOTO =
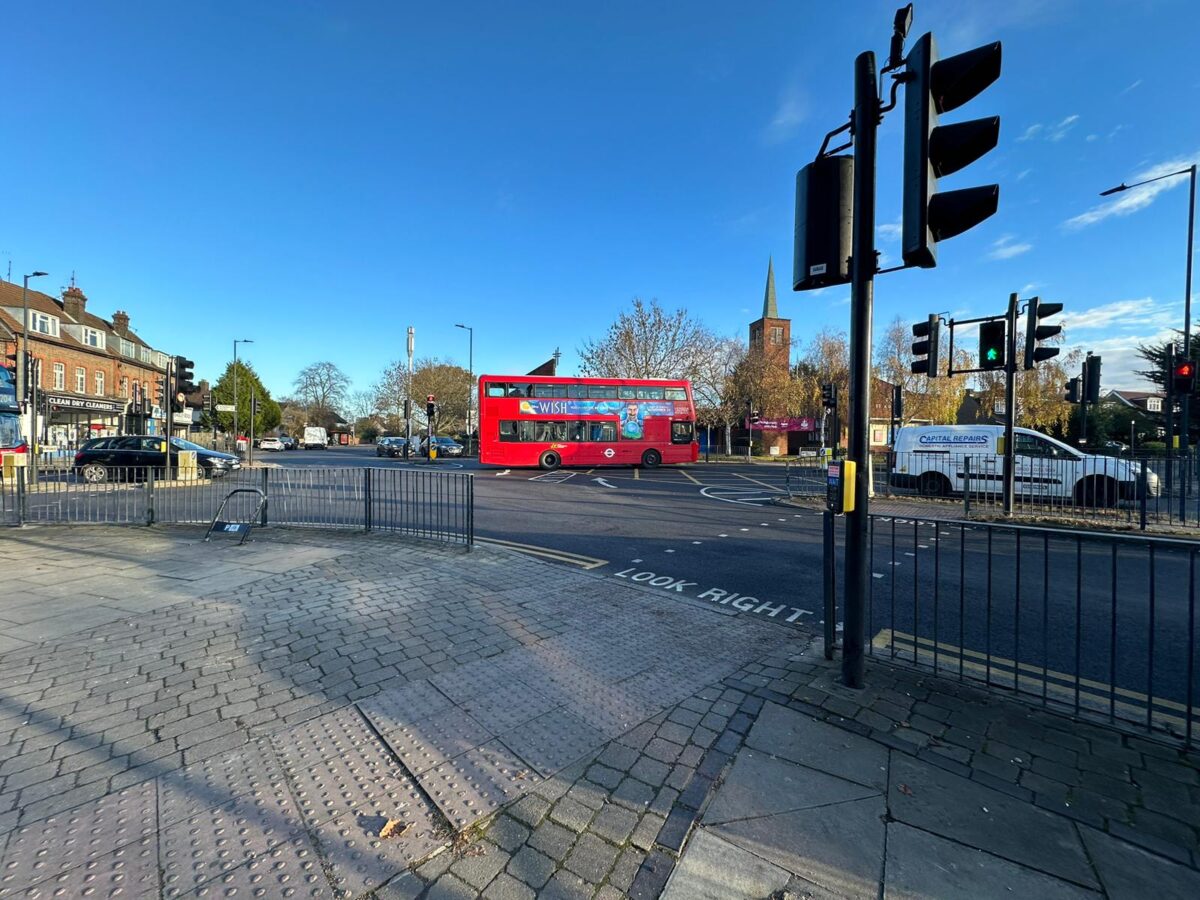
[(770, 309)]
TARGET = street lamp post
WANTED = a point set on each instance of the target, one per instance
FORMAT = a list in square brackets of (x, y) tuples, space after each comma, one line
[(1185, 406), (471, 394), (23, 368), (235, 393)]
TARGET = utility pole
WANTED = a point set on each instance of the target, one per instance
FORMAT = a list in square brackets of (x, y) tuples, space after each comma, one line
[(1010, 404), (170, 414), (862, 287), (408, 397)]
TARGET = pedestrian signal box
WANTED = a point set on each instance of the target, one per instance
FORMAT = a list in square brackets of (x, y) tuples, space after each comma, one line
[(839, 488)]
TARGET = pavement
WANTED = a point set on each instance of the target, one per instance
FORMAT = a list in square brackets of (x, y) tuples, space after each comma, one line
[(321, 714)]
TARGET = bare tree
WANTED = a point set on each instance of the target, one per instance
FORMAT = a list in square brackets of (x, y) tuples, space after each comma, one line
[(715, 388), (934, 400), (322, 388), (648, 342), (390, 391), (450, 384), (361, 405)]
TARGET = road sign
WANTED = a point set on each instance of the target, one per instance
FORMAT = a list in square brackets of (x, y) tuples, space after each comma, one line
[(183, 418), (225, 407)]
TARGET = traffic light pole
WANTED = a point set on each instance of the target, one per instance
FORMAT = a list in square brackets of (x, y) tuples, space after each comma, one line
[(1010, 406), (1170, 417), (862, 286), (170, 413)]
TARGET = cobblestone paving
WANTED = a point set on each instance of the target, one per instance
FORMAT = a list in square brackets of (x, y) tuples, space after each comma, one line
[(259, 735)]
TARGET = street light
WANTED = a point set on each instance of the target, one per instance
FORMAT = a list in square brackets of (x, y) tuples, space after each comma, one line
[(1185, 412), (235, 393), (471, 395)]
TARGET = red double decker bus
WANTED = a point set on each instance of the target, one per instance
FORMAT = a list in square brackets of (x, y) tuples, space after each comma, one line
[(528, 420)]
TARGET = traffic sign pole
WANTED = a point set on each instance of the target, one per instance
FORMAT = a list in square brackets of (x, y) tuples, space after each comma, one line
[(1010, 404)]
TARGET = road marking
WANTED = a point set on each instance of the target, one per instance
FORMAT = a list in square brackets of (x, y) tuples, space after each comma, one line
[(742, 495), (554, 477), (563, 556), (589, 471), (697, 542), (743, 529), (756, 481), (637, 474), (717, 595), (688, 476), (505, 472), (1059, 685), (668, 551), (635, 560), (605, 483), (722, 535)]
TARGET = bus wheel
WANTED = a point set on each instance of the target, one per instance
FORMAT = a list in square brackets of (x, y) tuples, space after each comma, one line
[(550, 460), (651, 459), (933, 484)]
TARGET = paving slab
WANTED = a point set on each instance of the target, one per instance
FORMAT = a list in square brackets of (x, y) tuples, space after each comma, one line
[(357, 860), (800, 738), (478, 783), (289, 870), (839, 847), (553, 741), (713, 869), (1126, 871), (959, 809), (923, 866), (761, 785)]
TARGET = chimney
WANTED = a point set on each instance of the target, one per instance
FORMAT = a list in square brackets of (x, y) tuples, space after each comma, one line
[(74, 302), (121, 322)]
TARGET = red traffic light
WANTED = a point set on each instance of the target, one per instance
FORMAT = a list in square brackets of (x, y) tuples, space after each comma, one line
[(430, 398), (1184, 369)]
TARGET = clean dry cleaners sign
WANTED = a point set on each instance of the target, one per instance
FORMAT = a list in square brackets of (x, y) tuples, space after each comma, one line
[(85, 403)]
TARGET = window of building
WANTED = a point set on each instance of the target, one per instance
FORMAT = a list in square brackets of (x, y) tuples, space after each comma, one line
[(60, 377), (127, 348), (99, 384), (144, 355), (93, 337), (776, 335), (37, 371), (43, 324), (160, 359), (80, 380), (124, 386), (1153, 404)]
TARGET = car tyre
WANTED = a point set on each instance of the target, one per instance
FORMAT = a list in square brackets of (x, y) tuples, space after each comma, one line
[(550, 460), (651, 459), (933, 484), (1096, 492), (94, 473)]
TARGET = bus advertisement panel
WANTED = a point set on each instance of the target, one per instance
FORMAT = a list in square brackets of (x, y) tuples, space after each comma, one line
[(547, 422), (10, 415)]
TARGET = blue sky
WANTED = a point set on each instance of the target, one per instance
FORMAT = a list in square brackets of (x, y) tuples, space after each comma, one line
[(319, 176)]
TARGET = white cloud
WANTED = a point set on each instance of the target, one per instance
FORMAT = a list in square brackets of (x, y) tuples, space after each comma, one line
[(1130, 88), (1120, 361), (1130, 201), (1092, 137), (890, 231), (1006, 247), (1023, 174), (1030, 133), (1059, 131), (1123, 315), (790, 112)]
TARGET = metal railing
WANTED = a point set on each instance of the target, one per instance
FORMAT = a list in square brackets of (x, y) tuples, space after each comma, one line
[(1087, 623), (435, 505)]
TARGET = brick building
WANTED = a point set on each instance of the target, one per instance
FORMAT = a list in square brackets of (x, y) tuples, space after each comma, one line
[(94, 377), (771, 340)]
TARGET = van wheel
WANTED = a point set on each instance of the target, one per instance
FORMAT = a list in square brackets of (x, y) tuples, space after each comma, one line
[(651, 459), (933, 484), (1096, 492), (550, 460)]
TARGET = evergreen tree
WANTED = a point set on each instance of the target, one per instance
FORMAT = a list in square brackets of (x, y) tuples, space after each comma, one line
[(248, 385)]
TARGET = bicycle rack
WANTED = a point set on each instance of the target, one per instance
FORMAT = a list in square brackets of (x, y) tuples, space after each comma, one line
[(242, 528)]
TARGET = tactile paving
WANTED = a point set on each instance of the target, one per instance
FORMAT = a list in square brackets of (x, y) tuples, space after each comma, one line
[(357, 860), (350, 782), (130, 871), (568, 685), (290, 870), (216, 841), (553, 741), (70, 839), (613, 710), (444, 736), (463, 683), (193, 789), (327, 737), (478, 783), (401, 706), (510, 704)]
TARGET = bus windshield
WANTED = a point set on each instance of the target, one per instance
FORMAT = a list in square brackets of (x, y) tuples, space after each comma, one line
[(10, 431)]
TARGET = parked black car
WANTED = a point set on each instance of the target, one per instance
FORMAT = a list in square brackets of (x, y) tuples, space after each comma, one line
[(390, 446), (131, 456)]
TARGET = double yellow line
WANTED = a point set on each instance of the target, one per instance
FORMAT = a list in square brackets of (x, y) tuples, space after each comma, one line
[(562, 556)]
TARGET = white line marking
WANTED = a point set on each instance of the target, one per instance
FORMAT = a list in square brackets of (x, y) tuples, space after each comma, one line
[(697, 542), (722, 535), (668, 551), (743, 529), (635, 560), (505, 472), (605, 483), (876, 575)]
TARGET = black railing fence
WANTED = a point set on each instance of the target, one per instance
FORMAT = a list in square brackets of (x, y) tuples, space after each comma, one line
[(435, 505), (1087, 623)]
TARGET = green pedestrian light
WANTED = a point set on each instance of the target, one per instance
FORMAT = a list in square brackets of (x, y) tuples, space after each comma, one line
[(993, 354), (992, 338)]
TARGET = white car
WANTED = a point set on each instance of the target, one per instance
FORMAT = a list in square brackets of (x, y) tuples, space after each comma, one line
[(938, 460), (270, 443)]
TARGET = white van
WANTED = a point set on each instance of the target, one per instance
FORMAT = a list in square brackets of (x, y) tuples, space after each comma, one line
[(315, 438), (937, 460)]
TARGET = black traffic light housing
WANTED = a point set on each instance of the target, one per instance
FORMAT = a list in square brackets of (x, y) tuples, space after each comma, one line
[(926, 348), (1035, 333), (1183, 377), (430, 409), (829, 395), (754, 417), (1091, 379), (931, 150), (1072, 395), (992, 340), (184, 375)]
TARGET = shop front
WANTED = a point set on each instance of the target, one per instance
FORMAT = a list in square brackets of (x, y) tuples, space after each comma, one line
[(69, 420)]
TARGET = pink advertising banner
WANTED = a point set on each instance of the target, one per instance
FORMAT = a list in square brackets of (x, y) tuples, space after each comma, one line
[(789, 423)]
